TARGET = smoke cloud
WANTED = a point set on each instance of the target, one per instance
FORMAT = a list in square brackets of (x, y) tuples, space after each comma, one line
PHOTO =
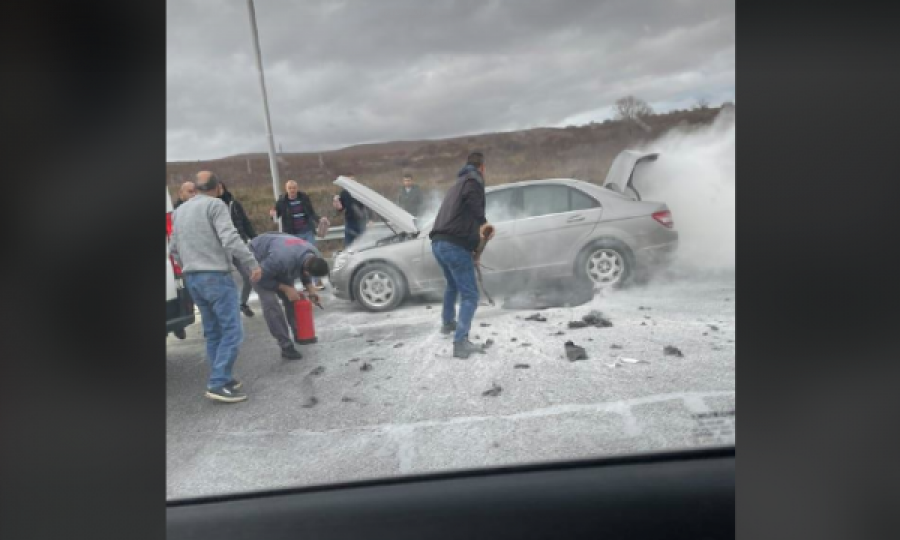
[(694, 176)]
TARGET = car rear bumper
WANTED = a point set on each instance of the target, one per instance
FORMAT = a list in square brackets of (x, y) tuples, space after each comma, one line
[(657, 255)]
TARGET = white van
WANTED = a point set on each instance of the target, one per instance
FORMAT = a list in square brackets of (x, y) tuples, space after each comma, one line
[(179, 306)]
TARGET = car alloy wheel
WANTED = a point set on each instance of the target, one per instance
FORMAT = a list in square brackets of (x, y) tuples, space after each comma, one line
[(377, 289), (605, 267)]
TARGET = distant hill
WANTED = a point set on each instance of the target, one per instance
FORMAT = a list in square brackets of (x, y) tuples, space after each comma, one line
[(583, 152)]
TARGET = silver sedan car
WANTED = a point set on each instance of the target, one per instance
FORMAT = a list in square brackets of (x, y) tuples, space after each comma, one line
[(554, 229)]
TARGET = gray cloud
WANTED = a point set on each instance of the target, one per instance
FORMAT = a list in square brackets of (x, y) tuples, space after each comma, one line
[(346, 72)]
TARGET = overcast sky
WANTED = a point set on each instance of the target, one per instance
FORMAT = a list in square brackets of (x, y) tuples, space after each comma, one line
[(340, 73)]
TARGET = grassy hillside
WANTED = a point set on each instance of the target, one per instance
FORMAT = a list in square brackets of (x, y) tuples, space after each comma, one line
[(583, 152)]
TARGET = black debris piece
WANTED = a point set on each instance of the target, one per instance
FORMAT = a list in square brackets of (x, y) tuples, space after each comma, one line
[(526, 344), (318, 371), (496, 445), (646, 316), (713, 327), (644, 323), (370, 341), (397, 346), (354, 359), (488, 343), (705, 333), (644, 308), (310, 403), (522, 366), (494, 391), (669, 350), (514, 340), (578, 324), (574, 352), (347, 399), (615, 346), (558, 333), (590, 339), (427, 307), (596, 318), (477, 336), (484, 325), (536, 317), (365, 367)]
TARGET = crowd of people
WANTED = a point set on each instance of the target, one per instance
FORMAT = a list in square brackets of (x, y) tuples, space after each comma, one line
[(212, 233)]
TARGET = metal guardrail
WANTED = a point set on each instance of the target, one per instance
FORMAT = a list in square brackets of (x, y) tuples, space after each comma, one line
[(337, 233)]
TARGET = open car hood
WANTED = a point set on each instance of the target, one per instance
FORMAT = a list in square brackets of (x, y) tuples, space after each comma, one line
[(621, 172), (398, 217)]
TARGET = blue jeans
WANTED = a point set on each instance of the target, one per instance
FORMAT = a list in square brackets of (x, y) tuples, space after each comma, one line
[(459, 271), (216, 296)]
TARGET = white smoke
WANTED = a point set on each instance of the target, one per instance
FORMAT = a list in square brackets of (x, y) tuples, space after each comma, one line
[(694, 176)]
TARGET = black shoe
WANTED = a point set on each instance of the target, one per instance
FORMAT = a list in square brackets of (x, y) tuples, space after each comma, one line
[(462, 349), (226, 394), (448, 328), (245, 309), (291, 354), (234, 384)]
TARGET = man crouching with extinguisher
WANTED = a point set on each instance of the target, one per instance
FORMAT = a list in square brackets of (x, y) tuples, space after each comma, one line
[(284, 258)]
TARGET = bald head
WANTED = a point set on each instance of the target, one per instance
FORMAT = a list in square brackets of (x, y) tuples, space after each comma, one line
[(188, 190), (207, 181), (291, 188)]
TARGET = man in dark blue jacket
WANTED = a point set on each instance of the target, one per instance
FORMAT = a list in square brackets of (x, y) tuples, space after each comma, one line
[(458, 228), (284, 259)]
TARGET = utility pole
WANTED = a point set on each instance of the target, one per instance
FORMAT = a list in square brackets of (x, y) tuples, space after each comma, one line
[(273, 163)]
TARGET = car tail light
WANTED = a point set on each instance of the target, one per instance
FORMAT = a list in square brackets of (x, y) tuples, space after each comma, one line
[(664, 218)]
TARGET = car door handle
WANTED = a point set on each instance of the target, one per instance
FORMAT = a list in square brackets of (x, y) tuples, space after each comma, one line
[(575, 218)]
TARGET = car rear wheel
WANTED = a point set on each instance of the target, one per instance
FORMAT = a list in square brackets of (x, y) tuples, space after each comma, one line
[(606, 264), (379, 287)]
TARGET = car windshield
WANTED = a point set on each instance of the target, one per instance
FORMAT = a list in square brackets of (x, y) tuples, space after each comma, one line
[(574, 299)]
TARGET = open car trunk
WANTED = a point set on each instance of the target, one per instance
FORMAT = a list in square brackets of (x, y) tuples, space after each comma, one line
[(620, 177)]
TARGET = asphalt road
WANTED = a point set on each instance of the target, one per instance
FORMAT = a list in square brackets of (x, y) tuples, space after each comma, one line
[(324, 419)]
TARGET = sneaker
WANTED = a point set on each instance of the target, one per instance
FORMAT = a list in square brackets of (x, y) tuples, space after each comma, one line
[(245, 309), (226, 394), (462, 349), (291, 354), (448, 328), (235, 384)]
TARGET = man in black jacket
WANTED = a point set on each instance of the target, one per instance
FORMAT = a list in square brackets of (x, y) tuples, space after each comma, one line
[(458, 228), (298, 217), (245, 229), (410, 198)]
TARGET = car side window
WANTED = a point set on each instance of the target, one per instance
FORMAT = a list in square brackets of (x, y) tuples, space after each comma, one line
[(544, 200), (500, 205), (581, 201)]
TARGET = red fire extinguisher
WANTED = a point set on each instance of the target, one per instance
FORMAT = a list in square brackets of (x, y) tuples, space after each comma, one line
[(303, 315)]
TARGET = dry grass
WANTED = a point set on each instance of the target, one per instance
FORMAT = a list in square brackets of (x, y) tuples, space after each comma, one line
[(584, 152)]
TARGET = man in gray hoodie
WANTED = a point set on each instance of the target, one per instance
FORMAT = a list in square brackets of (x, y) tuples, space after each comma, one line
[(204, 242)]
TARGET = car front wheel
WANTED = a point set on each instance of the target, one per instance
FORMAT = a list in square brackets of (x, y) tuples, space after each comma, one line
[(379, 287)]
